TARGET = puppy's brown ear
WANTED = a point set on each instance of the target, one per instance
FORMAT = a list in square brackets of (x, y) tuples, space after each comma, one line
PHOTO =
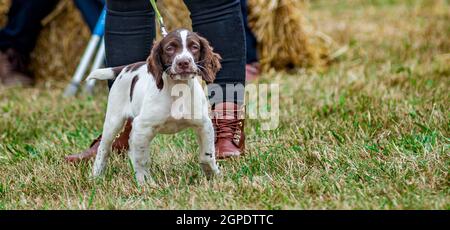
[(155, 64), (209, 60)]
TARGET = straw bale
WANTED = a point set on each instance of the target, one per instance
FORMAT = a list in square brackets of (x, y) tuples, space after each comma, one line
[(285, 38)]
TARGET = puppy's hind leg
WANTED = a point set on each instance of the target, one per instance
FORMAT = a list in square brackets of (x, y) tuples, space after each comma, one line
[(111, 128), (207, 150)]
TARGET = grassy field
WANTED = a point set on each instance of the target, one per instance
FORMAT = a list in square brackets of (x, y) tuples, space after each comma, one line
[(369, 132)]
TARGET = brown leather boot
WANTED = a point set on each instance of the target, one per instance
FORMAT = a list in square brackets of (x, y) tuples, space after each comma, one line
[(228, 121), (13, 69), (120, 144)]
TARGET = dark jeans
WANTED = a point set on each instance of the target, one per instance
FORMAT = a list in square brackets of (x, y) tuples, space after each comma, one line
[(250, 38), (24, 21), (130, 31)]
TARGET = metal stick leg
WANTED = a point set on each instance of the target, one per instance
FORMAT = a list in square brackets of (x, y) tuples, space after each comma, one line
[(72, 88), (98, 62), (97, 34)]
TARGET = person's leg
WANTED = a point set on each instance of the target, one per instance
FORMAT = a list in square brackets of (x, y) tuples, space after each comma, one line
[(250, 38), (129, 35), (220, 21), (252, 69), (18, 38), (129, 31)]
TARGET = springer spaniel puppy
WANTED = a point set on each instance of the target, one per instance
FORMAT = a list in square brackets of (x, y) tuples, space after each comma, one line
[(145, 92)]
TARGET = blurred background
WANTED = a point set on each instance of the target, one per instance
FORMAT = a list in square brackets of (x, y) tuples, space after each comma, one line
[(286, 39)]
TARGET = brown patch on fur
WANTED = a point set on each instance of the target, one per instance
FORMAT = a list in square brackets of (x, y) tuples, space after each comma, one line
[(133, 83), (135, 66), (155, 64), (209, 60), (117, 70)]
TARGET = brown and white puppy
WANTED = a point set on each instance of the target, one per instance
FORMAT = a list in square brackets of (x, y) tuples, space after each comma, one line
[(162, 95)]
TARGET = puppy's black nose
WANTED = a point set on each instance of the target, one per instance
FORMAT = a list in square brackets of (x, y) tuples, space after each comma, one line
[(183, 64)]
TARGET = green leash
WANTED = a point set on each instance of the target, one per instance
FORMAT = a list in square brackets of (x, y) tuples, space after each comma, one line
[(159, 17)]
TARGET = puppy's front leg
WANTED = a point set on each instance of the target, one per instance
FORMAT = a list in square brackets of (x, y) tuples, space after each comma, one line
[(141, 136), (207, 150)]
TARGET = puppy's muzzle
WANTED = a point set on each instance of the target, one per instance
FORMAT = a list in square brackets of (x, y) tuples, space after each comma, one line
[(184, 68)]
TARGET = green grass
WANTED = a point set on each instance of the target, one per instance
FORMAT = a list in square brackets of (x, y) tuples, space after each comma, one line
[(369, 132)]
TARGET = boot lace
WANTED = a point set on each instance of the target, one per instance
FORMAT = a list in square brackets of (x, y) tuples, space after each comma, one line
[(226, 128)]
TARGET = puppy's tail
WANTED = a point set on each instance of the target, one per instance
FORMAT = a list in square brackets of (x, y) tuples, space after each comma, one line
[(102, 74)]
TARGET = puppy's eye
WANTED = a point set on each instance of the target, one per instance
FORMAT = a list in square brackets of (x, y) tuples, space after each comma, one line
[(195, 47), (170, 49)]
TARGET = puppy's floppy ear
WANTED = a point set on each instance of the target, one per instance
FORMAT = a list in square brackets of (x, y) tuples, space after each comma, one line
[(209, 60), (155, 64)]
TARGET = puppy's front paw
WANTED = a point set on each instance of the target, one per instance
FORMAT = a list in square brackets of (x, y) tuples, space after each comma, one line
[(210, 170), (143, 178)]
